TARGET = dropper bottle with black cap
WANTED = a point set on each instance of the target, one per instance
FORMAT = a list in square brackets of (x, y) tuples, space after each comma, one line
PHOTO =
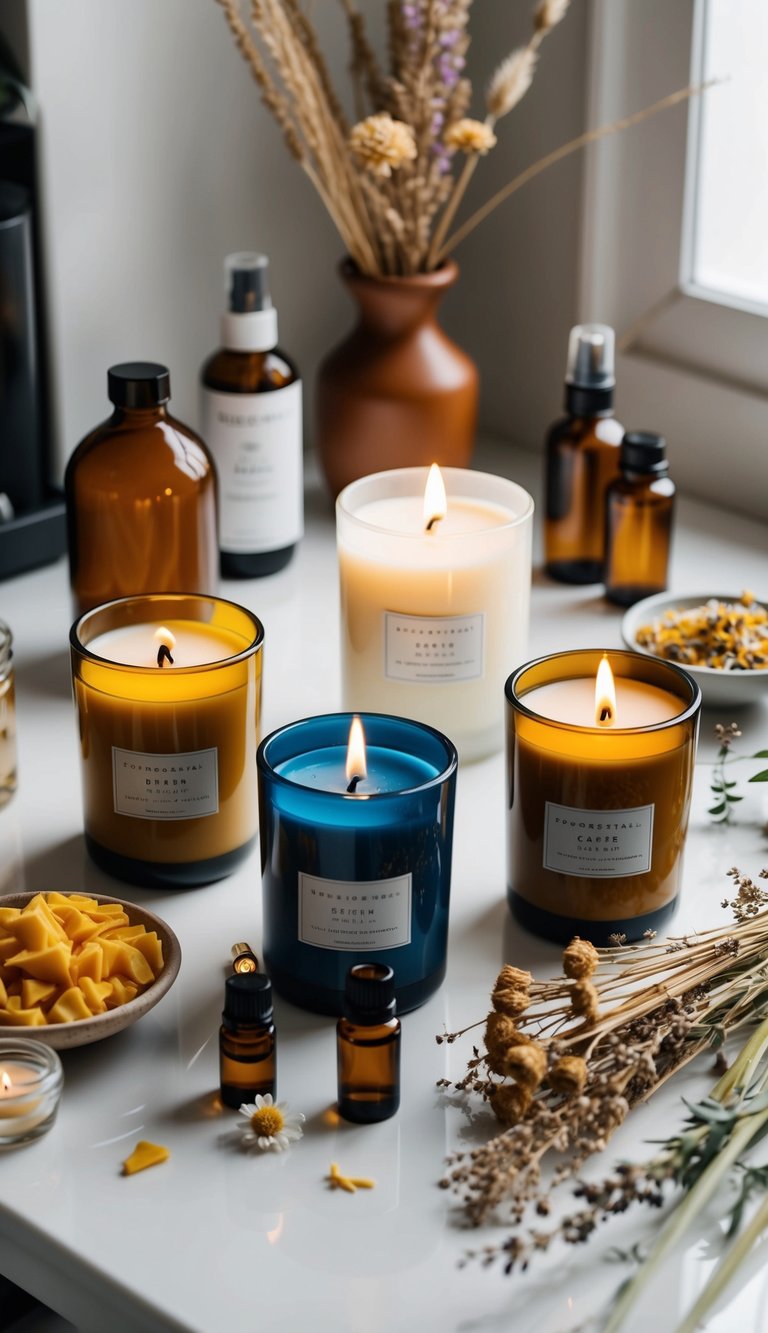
[(247, 1051), (368, 1045), (582, 458), (141, 498), (251, 420), (639, 509)]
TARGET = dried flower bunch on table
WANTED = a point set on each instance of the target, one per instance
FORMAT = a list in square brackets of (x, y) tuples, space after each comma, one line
[(564, 1061), (393, 180)]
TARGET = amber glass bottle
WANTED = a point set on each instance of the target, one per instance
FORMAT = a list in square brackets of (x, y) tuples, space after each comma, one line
[(638, 520), (141, 498), (582, 458), (368, 1045), (247, 1054), (251, 419)]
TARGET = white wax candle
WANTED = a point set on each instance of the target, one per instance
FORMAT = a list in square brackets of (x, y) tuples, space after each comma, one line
[(434, 621), (196, 644), (638, 704)]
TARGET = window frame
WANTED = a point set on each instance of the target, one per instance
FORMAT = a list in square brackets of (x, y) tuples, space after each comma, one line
[(691, 364)]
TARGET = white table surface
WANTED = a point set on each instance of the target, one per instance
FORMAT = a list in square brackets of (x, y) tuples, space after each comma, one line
[(218, 1240)]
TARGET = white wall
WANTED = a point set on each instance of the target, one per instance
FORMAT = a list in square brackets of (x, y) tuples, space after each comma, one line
[(159, 159)]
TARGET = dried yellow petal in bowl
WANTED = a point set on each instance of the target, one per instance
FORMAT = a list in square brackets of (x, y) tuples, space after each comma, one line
[(726, 636)]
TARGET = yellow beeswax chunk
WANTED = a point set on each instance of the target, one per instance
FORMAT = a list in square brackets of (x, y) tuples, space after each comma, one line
[(36, 992), (50, 964), (3, 992), (88, 962), (122, 992), (144, 1154), (21, 1018), (119, 956), (39, 904), (78, 925), (13, 1001), (129, 933), (8, 916), (33, 931), (69, 1007), (108, 912), (151, 946), (94, 995), (80, 900), (8, 947)]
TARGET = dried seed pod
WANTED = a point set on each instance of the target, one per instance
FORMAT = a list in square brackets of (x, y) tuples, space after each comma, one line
[(500, 1035), (585, 1000), (510, 1102), (526, 1064), (580, 959), (568, 1075), (510, 993)]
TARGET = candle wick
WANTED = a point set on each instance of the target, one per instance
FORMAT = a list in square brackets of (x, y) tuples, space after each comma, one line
[(164, 655), (354, 781), (606, 714), (435, 519)]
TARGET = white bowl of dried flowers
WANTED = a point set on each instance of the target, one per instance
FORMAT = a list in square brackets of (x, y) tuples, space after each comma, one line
[(722, 640)]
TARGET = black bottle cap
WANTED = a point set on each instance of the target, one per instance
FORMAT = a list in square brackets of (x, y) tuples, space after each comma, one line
[(138, 384), (644, 451), (369, 994), (248, 998)]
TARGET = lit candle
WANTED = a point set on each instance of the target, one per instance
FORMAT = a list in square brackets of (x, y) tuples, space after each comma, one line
[(167, 690), (600, 782), (356, 819), (30, 1087), (435, 593)]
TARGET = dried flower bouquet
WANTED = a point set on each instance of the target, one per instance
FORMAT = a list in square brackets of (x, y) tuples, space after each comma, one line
[(565, 1060), (393, 181)]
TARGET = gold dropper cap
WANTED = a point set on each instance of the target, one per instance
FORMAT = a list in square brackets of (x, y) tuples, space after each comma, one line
[(243, 958)]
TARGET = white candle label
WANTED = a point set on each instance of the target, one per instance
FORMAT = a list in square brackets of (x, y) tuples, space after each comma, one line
[(353, 915), (595, 843), (433, 649), (165, 786), (256, 441)]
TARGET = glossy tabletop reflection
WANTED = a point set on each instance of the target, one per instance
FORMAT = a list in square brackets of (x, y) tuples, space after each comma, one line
[(216, 1239)]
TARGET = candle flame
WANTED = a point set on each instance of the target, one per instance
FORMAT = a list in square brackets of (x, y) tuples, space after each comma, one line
[(164, 638), (357, 768), (435, 502), (5, 1081), (605, 694)]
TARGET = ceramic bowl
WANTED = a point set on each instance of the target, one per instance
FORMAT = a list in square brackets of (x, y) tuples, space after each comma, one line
[(731, 688), (63, 1036)]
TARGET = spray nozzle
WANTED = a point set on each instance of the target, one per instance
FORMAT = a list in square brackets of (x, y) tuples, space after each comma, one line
[(591, 357), (247, 283)]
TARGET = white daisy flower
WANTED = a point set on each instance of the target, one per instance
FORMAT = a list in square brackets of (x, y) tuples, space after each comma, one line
[(269, 1124)]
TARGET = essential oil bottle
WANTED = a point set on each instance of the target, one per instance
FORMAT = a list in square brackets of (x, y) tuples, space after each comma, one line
[(582, 458), (368, 1045), (141, 498), (251, 420), (247, 1051), (639, 508)]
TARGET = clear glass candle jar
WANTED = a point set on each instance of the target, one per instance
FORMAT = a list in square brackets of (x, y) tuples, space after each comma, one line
[(31, 1079), (7, 717), (168, 747), (597, 814)]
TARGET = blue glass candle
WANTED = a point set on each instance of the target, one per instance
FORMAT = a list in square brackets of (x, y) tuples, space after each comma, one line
[(361, 875)]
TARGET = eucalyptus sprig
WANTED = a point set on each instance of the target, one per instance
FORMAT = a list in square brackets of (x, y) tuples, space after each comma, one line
[(721, 786)]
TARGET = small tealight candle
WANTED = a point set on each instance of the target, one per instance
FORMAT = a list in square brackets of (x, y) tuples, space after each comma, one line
[(356, 840), (168, 689), (30, 1087), (600, 775)]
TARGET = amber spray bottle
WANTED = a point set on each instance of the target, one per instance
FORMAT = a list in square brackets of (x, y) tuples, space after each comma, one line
[(251, 420), (368, 1045), (247, 1054), (639, 508), (582, 458), (141, 498)]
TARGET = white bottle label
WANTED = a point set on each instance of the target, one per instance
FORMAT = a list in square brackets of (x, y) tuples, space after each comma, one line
[(433, 650), (598, 843), (351, 915), (165, 786), (255, 439)]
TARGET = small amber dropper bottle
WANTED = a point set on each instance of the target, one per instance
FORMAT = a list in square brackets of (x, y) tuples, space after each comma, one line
[(368, 1045), (247, 1056), (639, 507)]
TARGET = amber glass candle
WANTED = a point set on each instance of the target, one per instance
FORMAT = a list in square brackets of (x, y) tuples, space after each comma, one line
[(168, 752), (598, 810)]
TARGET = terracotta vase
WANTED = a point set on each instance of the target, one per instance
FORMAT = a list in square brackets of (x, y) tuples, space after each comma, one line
[(396, 392)]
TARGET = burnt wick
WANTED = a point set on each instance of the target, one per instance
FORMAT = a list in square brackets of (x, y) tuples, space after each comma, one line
[(354, 781), (606, 714), (164, 655), (435, 519)]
